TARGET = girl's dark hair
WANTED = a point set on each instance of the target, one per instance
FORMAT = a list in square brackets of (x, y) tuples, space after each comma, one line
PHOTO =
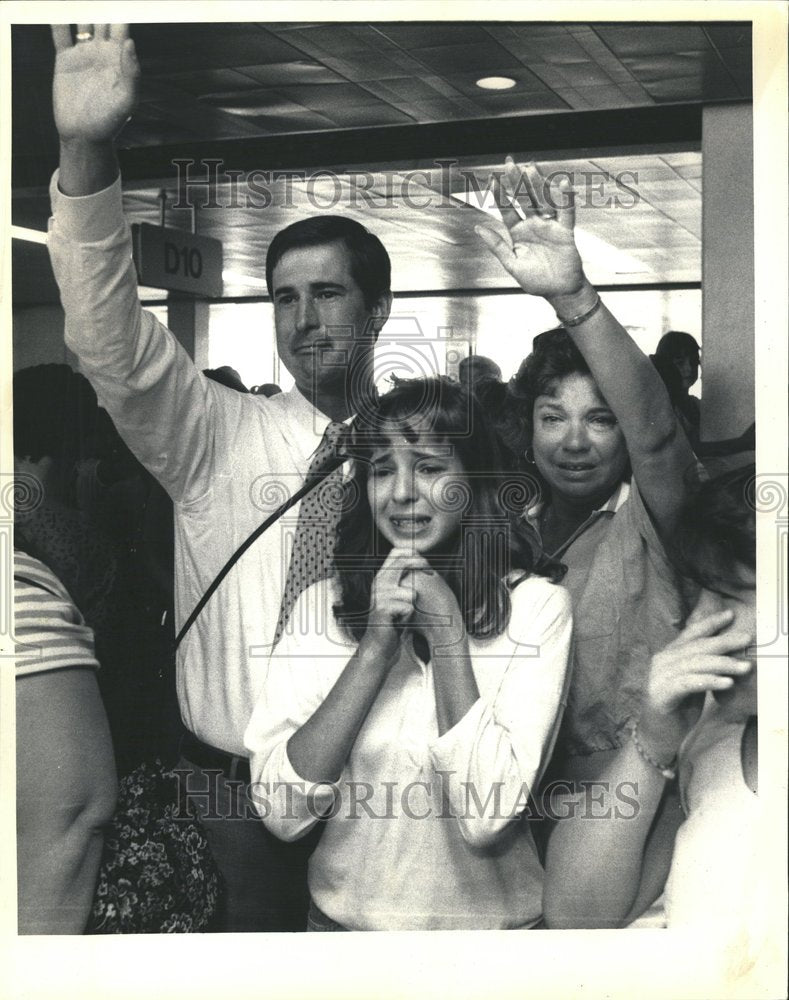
[(493, 540), (716, 531)]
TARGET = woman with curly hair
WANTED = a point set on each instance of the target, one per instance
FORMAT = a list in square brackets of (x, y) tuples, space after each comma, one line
[(417, 698), (613, 467)]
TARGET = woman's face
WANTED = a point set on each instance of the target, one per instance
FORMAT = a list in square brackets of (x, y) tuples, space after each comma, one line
[(578, 445), (410, 491)]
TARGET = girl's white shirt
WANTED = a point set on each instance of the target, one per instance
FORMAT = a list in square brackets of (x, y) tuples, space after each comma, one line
[(424, 830)]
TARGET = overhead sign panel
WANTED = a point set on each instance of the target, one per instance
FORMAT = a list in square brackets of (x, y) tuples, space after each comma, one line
[(177, 260)]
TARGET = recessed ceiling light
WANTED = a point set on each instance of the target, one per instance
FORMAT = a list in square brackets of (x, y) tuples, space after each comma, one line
[(496, 82)]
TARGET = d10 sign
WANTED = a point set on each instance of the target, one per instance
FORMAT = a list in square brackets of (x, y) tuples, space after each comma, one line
[(177, 260)]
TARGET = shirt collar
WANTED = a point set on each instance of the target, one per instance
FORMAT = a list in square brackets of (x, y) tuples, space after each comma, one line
[(308, 422), (611, 506)]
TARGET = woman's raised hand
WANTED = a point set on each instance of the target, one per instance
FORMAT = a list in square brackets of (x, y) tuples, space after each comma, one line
[(705, 656), (538, 249), (95, 83)]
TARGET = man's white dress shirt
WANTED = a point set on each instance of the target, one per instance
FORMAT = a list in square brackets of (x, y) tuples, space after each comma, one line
[(227, 459)]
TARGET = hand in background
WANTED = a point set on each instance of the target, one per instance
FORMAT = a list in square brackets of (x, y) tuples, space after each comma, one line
[(705, 656)]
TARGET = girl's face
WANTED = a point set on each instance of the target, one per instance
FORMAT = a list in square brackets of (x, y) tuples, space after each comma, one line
[(578, 445), (739, 701), (410, 492)]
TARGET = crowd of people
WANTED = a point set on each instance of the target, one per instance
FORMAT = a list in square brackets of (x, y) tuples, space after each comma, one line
[(488, 664)]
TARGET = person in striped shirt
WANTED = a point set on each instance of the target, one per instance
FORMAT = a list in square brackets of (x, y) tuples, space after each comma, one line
[(66, 781)]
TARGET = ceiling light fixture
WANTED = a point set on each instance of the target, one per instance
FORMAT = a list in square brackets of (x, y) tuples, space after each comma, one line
[(496, 82)]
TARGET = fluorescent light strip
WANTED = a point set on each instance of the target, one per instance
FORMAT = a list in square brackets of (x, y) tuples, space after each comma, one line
[(28, 235)]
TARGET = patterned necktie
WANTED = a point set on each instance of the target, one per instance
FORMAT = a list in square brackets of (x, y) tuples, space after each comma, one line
[(316, 528)]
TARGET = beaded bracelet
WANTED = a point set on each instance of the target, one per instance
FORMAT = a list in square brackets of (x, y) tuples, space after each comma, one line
[(582, 317), (669, 770)]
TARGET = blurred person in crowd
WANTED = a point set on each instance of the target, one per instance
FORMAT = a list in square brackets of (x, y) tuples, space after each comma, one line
[(474, 368), (676, 370), (692, 757), (56, 431), (683, 352), (225, 375), (267, 389)]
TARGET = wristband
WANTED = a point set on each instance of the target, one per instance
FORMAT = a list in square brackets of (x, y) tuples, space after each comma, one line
[(669, 770), (581, 317)]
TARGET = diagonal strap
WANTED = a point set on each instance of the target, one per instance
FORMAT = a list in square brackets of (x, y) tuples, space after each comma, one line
[(312, 480)]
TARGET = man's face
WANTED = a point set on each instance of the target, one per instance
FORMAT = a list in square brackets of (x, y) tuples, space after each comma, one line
[(321, 320), (687, 368)]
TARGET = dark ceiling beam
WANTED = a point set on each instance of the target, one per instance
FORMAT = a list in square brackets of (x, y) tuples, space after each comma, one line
[(395, 145), (584, 133)]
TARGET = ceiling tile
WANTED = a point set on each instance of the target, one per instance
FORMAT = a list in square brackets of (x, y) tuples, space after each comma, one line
[(731, 35), (645, 39), (288, 73), (433, 35), (161, 47), (348, 116), (487, 58)]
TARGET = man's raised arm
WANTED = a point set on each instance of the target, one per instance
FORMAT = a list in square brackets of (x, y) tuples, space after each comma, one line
[(142, 376)]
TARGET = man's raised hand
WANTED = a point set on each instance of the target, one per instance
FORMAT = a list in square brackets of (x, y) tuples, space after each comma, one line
[(95, 84)]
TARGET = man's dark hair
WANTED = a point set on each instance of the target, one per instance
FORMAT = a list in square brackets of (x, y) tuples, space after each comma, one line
[(370, 264)]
